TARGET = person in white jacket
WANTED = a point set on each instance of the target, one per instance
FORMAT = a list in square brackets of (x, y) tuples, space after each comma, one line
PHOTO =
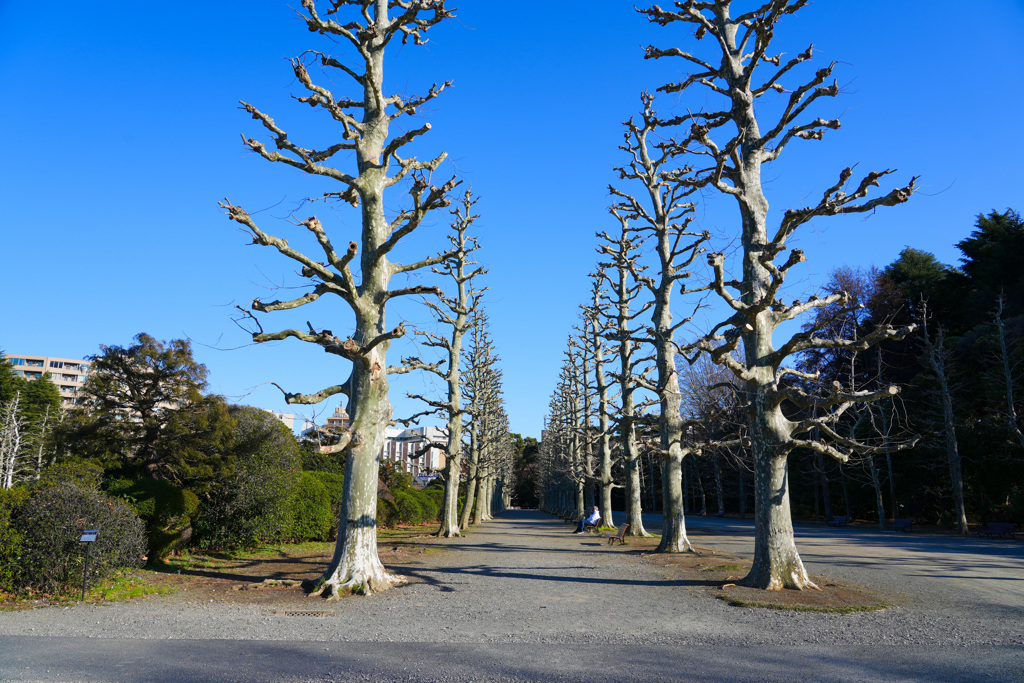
[(588, 521)]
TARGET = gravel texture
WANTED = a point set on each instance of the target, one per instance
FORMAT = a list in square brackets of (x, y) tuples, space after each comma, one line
[(523, 598)]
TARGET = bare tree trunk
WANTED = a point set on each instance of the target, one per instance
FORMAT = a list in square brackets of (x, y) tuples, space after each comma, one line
[(936, 355), (596, 328), (826, 497), (743, 494), (876, 484), (472, 479), (11, 426), (719, 493), (776, 563), (355, 565)]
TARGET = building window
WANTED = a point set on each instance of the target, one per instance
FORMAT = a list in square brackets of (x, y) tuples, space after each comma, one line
[(56, 364), (17, 361), (34, 363)]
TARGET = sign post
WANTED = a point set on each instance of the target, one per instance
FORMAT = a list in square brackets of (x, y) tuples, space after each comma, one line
[(88, 536)]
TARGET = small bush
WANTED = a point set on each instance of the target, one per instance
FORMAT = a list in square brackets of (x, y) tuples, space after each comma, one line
[(52, 521), (10, 539), (311, 510)]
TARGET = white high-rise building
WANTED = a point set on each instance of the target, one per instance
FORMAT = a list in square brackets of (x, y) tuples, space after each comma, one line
[(400, 445)]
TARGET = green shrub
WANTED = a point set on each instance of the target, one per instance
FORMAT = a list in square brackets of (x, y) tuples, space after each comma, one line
[(311, 510), (52, 520), (431, 503), (166, 509), (81, 473), (410, 511), (387, 513), (335, 485), (253, 504), (10, 539)]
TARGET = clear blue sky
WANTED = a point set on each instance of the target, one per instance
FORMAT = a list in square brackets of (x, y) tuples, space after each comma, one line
[(122, 133)]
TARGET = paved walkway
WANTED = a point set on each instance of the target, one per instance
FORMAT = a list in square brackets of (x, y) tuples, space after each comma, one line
[(521, 598)]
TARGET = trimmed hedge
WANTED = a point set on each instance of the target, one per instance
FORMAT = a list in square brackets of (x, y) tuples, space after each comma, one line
[(311, 510), (335, 485), (387, 513)]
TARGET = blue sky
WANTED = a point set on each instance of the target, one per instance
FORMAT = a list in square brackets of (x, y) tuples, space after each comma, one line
[(122, 133)]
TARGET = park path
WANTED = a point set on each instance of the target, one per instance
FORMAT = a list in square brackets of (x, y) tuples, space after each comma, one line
[(938, 569), (519, 598)]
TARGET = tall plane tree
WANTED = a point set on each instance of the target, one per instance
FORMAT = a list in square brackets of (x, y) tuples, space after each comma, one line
[(481, 394), (454, 312), (621, 273), (729, 147), (361, 274), (661, 211), (595, 328)]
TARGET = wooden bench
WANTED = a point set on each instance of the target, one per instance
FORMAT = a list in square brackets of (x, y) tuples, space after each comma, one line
[(902, 524), (837, 520), (620, 537), (592, 528), (1000, 529)]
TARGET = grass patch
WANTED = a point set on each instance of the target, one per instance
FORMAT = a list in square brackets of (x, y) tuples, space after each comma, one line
[(127, 587), (831, 598), (824, 609)]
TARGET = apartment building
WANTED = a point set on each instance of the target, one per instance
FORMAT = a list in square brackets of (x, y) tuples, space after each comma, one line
[(68, 374)]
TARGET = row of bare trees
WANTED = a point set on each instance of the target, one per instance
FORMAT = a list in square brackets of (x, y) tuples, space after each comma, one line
[(711, 149), (620, 394)]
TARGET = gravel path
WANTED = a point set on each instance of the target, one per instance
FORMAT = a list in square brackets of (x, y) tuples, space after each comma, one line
[(523, 598)]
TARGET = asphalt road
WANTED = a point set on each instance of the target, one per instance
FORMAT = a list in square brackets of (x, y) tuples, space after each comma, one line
[(521, 598)]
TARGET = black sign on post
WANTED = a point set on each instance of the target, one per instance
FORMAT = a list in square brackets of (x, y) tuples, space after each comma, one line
[(88, 536)]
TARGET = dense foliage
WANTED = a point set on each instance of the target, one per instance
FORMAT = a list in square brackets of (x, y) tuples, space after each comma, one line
[(252, 504), (50, 524)]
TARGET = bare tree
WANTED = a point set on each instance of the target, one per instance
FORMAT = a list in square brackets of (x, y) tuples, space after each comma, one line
[(729, 146), (1008, 373), (595, 329), (937, 359), (368, 27), (620, 273), (663, 213), (481, 392), (454, 312), (12, 426)]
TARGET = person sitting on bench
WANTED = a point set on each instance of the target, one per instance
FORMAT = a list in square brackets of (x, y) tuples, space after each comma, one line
[(588, 521)]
